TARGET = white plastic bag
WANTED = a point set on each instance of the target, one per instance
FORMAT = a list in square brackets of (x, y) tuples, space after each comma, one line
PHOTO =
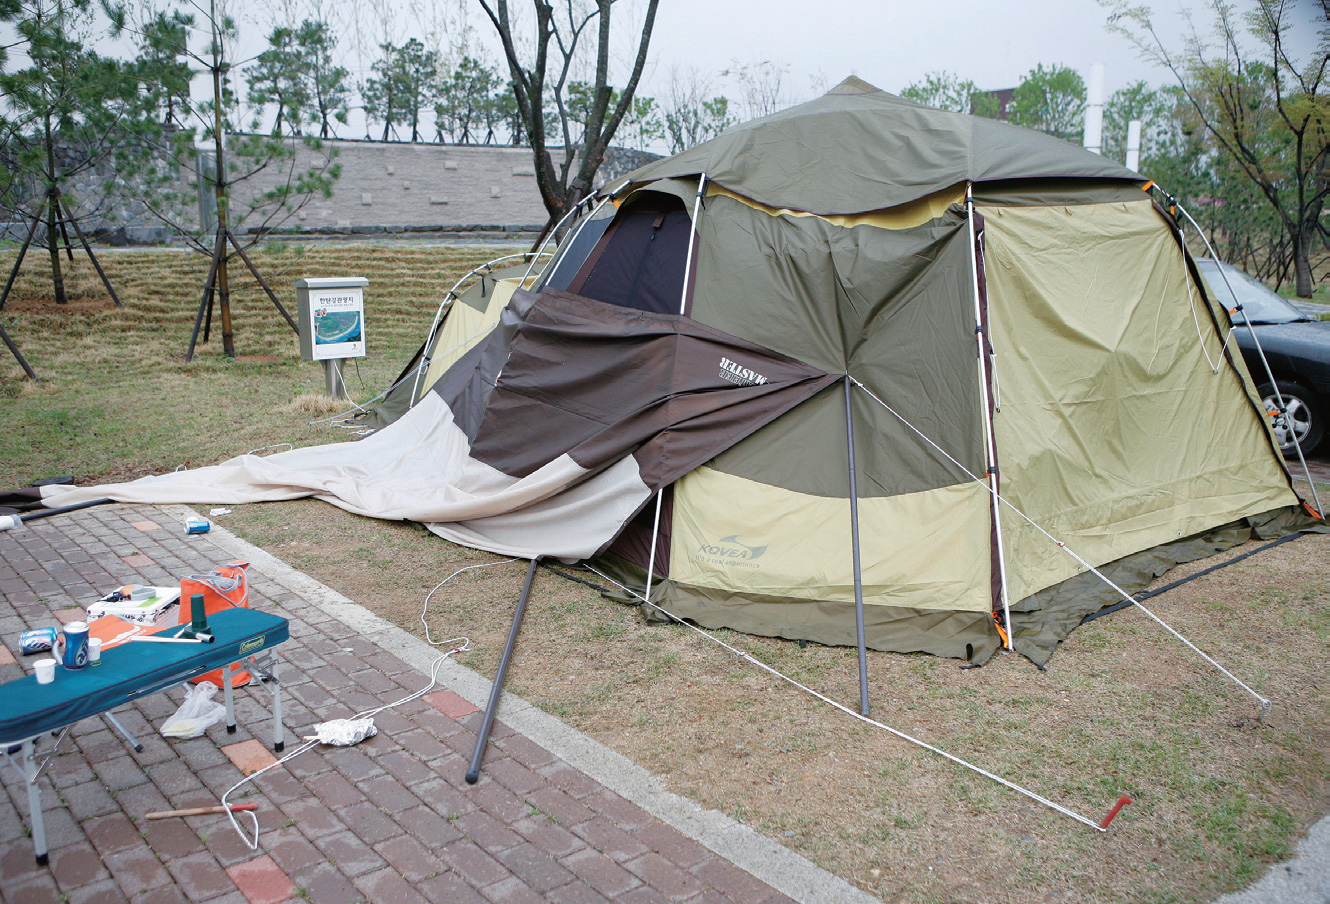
[(344, 732), (196, 714)]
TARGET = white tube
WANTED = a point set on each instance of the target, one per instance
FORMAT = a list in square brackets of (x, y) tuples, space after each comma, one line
[(1094, 110), (990, 441), (683, 305), (1133, 144)]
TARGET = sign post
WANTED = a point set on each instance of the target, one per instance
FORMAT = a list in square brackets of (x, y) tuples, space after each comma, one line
[(332, 325)]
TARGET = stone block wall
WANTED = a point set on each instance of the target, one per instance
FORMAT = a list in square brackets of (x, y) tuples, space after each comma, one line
[(384, 187)]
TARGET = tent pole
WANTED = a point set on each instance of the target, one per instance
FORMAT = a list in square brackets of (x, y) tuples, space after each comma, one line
[(1279, 396), (990, 441), (655, 533), (557, 255), (473, 773), (683, 309), (858, 568), (545, 240), (692, 239)]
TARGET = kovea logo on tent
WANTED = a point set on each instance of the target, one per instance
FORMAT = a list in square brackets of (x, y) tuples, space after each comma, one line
[(729, 551), (736, 373)]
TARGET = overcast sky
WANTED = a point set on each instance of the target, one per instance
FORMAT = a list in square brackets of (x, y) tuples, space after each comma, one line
[(820, 42), (816, 42), (893, 44)]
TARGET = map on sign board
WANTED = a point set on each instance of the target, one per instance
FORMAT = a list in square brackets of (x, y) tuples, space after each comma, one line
[(339, 323)]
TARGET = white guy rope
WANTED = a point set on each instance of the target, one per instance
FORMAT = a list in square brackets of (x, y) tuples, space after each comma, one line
[(429, 596), (1191, 301), (862, 718), (462, 645), (1265, 704), (458, 645)]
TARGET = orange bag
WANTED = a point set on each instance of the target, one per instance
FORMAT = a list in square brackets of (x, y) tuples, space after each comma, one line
[(222, 588)]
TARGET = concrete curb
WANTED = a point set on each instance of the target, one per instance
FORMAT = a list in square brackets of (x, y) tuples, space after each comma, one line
[(779, 867), (1305, 879)]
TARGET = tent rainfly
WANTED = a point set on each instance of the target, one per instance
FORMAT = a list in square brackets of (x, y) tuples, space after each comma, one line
[(1008, 327)]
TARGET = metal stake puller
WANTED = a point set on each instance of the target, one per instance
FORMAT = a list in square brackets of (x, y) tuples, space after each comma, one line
[(196, 632)]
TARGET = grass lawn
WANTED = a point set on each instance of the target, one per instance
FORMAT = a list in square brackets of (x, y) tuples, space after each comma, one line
[(1122, 707)]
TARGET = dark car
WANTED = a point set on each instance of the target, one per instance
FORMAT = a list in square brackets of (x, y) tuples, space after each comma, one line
[(1296, 346)]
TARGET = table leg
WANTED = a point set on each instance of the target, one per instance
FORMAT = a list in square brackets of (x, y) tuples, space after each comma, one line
[(30, 772), (120, 727), (228, 694)]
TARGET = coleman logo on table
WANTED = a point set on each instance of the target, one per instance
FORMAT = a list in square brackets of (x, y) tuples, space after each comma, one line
[(251, 645), (737, 374)]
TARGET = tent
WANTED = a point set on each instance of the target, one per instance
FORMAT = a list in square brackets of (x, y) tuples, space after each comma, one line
[(1009, 328)]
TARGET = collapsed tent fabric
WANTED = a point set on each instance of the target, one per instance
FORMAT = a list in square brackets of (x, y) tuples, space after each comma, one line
[(550, 435)]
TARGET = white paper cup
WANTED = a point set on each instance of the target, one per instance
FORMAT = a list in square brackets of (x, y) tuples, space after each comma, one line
[(45, 670), (94, 650)]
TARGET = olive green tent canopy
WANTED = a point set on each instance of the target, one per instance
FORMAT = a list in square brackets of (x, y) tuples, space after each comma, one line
[(858, 148)]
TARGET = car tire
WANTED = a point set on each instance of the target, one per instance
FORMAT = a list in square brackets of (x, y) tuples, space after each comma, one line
[(1304, 414)]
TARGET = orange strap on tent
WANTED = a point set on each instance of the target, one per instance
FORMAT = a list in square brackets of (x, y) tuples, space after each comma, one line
[(1002, 632)]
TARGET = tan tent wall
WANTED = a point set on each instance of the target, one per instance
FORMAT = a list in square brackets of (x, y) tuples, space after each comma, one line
[(1114, 431), (926, 550), (465, 326)]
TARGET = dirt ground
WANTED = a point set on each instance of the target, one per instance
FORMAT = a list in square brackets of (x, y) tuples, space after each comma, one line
[(1122, 708)]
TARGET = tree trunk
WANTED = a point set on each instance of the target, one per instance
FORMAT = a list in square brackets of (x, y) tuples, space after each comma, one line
[(1302, 253), (223, 221)]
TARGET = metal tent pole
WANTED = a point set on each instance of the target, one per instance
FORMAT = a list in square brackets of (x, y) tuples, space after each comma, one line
[(858, 569), (473, 773), (990, 440), (1274, 385), (683, 307)]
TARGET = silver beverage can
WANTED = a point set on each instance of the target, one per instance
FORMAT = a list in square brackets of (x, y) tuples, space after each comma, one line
[(38, 640), (76, 645)]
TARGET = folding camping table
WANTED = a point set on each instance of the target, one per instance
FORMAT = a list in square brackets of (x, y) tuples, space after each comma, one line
[(29, 710)]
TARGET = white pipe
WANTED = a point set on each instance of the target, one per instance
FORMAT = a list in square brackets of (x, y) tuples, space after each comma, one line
[(561, 250), (1134, 144), (552, 233), (990, 442), (448, 299), (683, 304), (1094, 111)]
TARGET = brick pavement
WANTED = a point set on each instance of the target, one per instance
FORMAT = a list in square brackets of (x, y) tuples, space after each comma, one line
[(390, 820)]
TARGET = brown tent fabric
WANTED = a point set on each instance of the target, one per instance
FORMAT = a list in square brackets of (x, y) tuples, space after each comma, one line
[(545, 440), (665, 389)]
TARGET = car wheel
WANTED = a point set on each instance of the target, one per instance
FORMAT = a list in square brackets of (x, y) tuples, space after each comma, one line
[(1304, 423)]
